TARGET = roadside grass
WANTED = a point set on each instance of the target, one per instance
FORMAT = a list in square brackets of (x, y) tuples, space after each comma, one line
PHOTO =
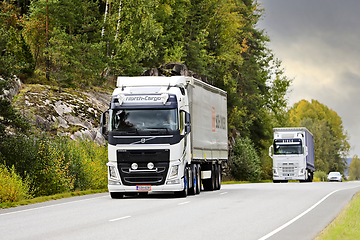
[(240, 182), (346, 226), (49, 198)]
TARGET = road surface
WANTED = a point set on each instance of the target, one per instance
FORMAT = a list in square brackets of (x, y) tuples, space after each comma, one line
[(240, 211)]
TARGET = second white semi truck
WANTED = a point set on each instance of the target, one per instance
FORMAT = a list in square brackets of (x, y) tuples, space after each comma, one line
[(293, 154), (165, 134)]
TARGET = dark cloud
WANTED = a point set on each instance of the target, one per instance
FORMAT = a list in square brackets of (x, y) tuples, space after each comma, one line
[(318, 43)]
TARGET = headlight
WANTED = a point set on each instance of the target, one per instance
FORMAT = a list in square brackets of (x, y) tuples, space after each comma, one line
[(112, 172), (174, 171)]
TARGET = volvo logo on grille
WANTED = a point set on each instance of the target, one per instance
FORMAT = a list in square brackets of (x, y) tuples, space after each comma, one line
[(142, 140)]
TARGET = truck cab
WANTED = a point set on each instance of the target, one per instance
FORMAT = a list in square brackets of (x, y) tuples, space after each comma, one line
[(293, 154)]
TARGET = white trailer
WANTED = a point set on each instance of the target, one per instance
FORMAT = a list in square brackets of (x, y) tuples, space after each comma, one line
[(165, 134), (293, 154)]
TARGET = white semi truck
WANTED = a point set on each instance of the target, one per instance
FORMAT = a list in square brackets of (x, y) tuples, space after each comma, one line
[(165, 134), (293, 154)]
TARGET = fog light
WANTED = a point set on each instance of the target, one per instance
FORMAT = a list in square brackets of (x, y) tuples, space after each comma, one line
[(175, 181), (134, 166), (150, 165)]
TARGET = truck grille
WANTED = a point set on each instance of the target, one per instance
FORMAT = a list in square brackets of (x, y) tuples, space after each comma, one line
[(288, 169), (142, 175)]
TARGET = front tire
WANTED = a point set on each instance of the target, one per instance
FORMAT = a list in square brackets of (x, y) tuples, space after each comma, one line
[(184, 192), (192, 190)]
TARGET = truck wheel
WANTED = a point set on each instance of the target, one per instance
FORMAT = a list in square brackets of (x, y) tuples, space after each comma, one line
[(311, 176), (198, 179), (218, 177), (184, 192), (192, 189), (116, 195), (209, 184)]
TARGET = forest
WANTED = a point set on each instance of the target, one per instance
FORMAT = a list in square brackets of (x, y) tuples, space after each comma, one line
[(84, 44)]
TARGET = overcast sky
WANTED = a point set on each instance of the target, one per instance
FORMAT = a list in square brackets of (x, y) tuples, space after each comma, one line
[(318, 42)]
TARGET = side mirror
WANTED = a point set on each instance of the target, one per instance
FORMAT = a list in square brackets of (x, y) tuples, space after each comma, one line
[(187, 118), (271, 151), (103, 124), (187, 128)]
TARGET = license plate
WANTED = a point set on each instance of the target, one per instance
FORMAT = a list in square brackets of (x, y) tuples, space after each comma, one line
[(143, 188)]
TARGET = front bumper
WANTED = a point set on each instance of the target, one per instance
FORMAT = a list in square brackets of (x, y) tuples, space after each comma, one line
[(145, 188)]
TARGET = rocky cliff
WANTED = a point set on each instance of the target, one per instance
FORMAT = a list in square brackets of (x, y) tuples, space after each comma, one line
[(69, 113)]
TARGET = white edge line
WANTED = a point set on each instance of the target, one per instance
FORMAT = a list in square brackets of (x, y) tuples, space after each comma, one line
[(184, 203), (223, 193), (54, 205), (301, 215), (117, 219)]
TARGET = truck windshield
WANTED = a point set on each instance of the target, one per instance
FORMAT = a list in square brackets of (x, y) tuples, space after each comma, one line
[(287, 149), (144, 120)]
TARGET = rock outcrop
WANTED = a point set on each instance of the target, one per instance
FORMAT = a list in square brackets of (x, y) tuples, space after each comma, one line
[(69, 113), (14, 87)]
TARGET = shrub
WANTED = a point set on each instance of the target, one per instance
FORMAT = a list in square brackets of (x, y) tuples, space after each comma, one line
[(12, 187), (87, 164), (320, 176), (52, 173), (55, 164), (42, 159), (244, 161)]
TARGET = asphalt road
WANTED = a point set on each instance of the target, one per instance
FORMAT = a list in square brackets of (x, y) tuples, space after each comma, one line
[(245, 211)]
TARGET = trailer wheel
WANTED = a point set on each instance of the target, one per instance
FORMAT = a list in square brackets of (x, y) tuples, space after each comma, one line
[(209, 184), (198, 179), (116, 195), (218, 177)]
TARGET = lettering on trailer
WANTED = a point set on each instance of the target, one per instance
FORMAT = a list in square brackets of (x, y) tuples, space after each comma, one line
[(218, 121)]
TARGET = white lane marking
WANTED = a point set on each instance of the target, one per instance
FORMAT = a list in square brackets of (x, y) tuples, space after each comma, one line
[(223, 193), (301, 215), (59, 204), (184, 203), (117, 219)]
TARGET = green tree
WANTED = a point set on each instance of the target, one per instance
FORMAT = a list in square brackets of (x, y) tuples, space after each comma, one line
[(354, 170), (10, 65), (75, 49), (136, 45), (330, 140), (244, 161), (12, 43)]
